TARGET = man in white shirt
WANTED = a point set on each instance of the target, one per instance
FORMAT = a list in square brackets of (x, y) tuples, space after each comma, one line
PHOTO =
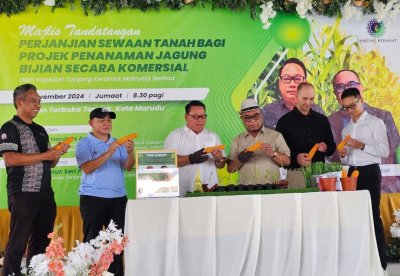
[(189, 143), (347, 79), (364, 151)]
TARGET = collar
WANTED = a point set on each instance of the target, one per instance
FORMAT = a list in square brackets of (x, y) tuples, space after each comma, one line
[(363, 117), (95, 140), (263, 130), (283, 104), (19, 120), (188, 130), (297, 112)]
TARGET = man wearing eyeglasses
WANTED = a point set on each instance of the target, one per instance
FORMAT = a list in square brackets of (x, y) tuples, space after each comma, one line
[(345, 79), (302, 128), (260, 166), (28, 156), (189, 143), (291, 74), (364, 151)]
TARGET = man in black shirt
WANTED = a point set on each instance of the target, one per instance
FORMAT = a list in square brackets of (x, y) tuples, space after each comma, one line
[(302, 128), (25, 148)]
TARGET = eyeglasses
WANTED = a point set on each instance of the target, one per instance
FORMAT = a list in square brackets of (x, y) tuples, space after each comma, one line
[(352, 106), (248, 119), (288, 79), (340, 87), (198, 117)]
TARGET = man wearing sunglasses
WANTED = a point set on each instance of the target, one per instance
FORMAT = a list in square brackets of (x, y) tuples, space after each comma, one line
[(345, 79), (189, 143), (364, 151), (260, 166), (291, 74)]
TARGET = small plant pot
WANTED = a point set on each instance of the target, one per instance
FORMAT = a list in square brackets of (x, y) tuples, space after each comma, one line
[(328, 183), (349, 183), (284, 184)]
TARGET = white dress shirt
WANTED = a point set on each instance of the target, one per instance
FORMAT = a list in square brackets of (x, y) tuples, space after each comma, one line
[(371, 131), (184, 141)]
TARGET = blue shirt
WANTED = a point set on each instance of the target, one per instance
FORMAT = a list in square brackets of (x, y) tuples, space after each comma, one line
[(108, 180)]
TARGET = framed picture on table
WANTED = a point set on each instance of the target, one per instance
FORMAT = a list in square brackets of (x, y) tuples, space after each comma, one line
[(157, 174)]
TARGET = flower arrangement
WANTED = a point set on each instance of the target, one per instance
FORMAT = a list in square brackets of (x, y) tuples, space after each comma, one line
[(384, 9), (86, 259), (393, 249)]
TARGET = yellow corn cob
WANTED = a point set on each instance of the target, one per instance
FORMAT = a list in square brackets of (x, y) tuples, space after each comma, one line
[(65, 142), (341, 145), (122, 140), (254, 147), (312, 152), (210, 149), (355, 173)]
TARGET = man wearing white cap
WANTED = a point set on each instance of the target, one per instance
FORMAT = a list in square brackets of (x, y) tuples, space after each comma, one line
[(260, 166)]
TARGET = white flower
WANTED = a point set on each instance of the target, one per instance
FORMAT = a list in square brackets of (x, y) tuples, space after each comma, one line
[(349, 11), (267, 13), (303, 6), (395, 227), (50, 3), (395, 230), (39, 264), (80, 260), (396, 214), (385, 11), (381, 9)]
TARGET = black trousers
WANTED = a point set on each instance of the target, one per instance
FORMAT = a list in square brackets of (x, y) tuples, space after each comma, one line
[(370, 179), (97, 212), (32, 219)]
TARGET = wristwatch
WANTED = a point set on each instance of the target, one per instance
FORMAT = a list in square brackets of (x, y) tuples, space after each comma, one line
[(219, 162)]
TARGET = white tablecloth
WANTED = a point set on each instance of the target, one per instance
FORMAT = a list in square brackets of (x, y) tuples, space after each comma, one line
[(329, 233)]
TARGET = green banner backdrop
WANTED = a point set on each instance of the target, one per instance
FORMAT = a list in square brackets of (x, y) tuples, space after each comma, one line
[(143, 66)]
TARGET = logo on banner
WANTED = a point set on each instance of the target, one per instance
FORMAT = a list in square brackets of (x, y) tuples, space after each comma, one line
[(376, 28)]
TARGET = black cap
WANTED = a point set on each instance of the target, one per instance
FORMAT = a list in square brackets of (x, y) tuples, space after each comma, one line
[(101, 112)]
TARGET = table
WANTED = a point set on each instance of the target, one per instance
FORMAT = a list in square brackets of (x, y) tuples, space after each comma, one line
[(325, 233)]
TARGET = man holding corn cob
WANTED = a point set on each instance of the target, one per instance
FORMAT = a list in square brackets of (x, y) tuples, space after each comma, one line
[(259, 152), (307, 133), (103, 160), (28, 157), (347, 79), (364, 152), (199, 150)]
